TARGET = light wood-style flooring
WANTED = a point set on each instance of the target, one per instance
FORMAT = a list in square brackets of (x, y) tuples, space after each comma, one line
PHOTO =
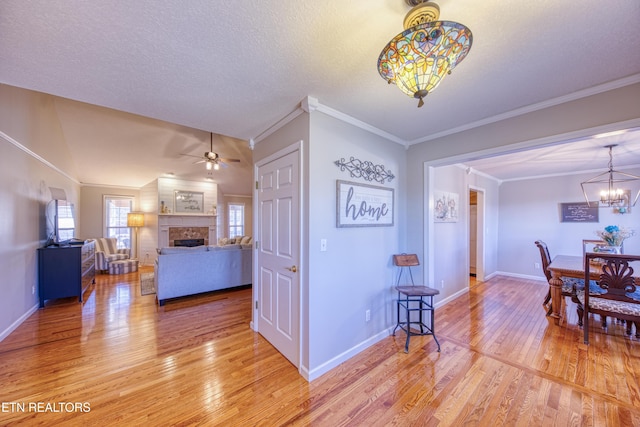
[(119, 359)]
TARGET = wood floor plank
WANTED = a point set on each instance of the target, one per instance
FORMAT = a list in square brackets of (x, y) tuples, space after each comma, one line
[(195, 361)]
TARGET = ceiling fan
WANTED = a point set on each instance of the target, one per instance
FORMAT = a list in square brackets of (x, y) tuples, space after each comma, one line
[(211, 159)]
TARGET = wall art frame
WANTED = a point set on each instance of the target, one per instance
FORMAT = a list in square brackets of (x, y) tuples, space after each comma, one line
[(445, 206), (364, 205), (188, 202), (579, 212)]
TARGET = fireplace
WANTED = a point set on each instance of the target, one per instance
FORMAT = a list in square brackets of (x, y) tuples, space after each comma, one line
[(186, 227), (188, 242), (188, 236)]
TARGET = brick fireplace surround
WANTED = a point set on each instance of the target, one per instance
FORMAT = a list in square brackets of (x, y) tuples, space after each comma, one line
[(179, 227), (182, 233)]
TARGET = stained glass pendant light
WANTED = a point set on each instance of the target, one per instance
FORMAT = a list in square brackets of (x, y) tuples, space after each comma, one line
[(417, 59)]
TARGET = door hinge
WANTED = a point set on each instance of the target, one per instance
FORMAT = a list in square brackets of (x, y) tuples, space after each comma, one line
[(257, 186), (256, 305), (257, 244)]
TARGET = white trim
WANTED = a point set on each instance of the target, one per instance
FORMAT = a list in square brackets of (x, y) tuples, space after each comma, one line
[(312, 104), (450, 298), (18, 322), (237, 195), (521, 276), (551, 175), (37, 157), (616, 84), (346, 355), (277, 125), (546, 141), (120, 187), (359, 123)]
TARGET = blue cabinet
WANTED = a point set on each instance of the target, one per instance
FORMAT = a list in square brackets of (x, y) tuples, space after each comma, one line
[(65, 271)]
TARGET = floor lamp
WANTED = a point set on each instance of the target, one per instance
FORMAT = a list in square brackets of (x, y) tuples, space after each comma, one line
[(135, 220)]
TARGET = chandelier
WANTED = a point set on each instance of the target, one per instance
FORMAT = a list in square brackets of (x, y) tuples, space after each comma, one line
[(611, 195), (417, 59)]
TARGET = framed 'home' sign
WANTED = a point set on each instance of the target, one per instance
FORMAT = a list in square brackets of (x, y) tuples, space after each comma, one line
[(363, 205)]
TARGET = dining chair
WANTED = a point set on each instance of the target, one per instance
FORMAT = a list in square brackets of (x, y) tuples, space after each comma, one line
[(568, 283), (620, 291)]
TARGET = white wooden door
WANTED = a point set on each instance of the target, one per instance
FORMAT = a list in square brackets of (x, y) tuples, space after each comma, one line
[(278, 255)]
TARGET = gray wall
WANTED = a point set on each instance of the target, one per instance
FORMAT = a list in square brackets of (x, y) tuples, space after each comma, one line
[(34, 157), (92, 207), (355, 274), (587, 116), (529, 210)]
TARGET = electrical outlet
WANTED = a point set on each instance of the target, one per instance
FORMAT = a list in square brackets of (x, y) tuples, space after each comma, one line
[(536, 265), (367, 315), (323, 245), (33, 290), (442, 284)]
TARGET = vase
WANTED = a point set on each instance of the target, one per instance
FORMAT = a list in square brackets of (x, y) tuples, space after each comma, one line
[(608, 249)]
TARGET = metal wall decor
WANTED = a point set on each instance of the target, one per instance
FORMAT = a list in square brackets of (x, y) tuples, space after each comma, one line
[(365, 169)]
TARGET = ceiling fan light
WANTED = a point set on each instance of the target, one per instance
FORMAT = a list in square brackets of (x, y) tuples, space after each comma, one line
[(208, 164), (216, 166)]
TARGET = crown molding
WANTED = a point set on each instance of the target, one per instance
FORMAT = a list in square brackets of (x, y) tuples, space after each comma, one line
[(616, 84), (37, 157), (310, 104)]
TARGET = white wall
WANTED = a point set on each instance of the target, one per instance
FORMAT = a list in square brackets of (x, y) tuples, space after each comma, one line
[(33, 156), (530, 210)]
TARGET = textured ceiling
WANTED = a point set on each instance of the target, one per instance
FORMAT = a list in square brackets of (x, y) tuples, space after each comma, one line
[(236, 68)]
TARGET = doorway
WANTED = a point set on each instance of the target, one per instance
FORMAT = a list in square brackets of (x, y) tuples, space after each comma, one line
[(476, 235)]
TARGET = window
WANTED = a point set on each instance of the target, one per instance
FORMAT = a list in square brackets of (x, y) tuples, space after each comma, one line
[(116, 209), (236, 220)]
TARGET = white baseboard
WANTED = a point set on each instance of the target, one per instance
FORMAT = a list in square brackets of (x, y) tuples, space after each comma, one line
[(451, 297), (343, 357), (521, 276), (18, 322)]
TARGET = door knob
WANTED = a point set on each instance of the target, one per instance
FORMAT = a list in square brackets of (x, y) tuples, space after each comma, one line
[(292, 269)]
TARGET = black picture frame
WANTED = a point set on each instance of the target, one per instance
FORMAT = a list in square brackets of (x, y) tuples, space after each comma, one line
[(579, 212)]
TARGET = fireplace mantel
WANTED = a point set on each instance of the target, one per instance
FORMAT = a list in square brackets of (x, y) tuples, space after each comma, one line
[(167, 221)]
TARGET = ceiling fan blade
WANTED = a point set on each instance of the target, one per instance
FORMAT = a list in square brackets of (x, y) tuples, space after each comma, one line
[(230, 160), (190, 155), (199, 161)]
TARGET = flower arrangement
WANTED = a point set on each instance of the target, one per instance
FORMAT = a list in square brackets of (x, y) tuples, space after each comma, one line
[(613, 235)]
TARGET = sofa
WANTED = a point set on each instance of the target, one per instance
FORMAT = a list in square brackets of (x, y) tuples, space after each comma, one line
[(182, 271)]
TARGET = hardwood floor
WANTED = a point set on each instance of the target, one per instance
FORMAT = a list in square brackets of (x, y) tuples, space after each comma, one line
[(119, 359)]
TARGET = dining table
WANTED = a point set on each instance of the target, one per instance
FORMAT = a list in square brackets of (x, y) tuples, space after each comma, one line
[(571, 266)]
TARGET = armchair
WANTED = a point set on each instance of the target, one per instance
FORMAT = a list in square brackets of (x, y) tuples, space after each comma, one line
[(107, 251)]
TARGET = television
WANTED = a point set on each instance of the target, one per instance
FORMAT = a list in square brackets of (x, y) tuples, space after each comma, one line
[(61, 222)]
